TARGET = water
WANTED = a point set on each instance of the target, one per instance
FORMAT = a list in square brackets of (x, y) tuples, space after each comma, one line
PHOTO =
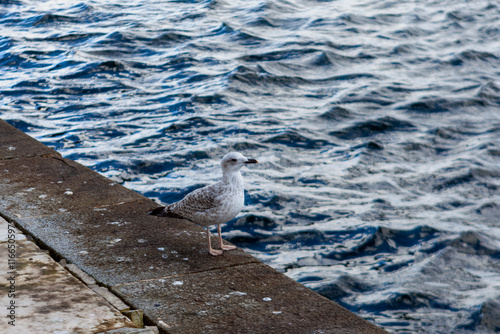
[(376, 124)]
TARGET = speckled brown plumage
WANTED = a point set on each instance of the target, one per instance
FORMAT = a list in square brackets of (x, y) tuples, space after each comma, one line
[(215, 204)]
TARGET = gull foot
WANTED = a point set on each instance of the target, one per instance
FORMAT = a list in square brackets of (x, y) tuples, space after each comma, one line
[(215, 252), (227, 247)]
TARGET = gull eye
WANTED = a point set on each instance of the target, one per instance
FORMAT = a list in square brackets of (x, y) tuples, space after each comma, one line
[(234, 160)]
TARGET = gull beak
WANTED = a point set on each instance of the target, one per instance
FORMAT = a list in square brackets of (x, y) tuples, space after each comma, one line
[(251, 161)]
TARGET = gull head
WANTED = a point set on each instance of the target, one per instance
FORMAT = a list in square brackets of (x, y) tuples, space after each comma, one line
[(232, 162)]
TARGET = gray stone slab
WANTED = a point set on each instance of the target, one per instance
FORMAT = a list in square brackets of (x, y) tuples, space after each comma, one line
[(39, 186), (130, 331), (251, 298), (110, 297), (45, 297), (80, 274), (16, 144), (121, 244)]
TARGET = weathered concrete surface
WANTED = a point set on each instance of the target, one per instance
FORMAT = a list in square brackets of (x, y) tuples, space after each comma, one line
[(130, 245), (14, 144), (48, 299), (253, 298), (103, 228), (44, 185)]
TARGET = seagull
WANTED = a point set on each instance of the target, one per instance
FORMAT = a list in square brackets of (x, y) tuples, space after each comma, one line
[(214, 204)]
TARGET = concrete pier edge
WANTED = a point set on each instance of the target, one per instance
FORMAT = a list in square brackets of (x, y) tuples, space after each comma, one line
[(100, 232)]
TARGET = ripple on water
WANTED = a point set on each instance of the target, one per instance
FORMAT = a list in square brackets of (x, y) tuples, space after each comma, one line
[(371, 128), (375, 125)]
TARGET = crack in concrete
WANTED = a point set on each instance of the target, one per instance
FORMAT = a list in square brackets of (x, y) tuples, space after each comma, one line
[(58, 157), (53, 155)]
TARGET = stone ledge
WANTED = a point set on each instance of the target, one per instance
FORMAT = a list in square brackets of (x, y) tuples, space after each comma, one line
[(251, 298), (131, 331), (78, 273), (160, 266), (48, 185), (16, 144), (122, 244)]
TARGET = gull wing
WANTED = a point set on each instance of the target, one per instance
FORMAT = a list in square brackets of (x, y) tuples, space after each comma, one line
[(197, 202)]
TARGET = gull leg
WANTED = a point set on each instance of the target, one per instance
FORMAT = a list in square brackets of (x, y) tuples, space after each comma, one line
[(213, 252), (222, 246)]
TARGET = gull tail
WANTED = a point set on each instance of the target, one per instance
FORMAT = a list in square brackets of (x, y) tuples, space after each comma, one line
[(163, 211), (157, 212)]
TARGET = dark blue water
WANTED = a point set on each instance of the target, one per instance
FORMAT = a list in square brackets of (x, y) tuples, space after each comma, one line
[(376, 122)]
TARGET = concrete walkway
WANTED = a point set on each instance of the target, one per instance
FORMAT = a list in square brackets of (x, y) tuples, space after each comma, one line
[(39, 296), (158, 266)]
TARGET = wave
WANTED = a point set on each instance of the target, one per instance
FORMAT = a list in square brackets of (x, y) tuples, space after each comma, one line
[(376, 128), (371, 128), (296, 140)]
